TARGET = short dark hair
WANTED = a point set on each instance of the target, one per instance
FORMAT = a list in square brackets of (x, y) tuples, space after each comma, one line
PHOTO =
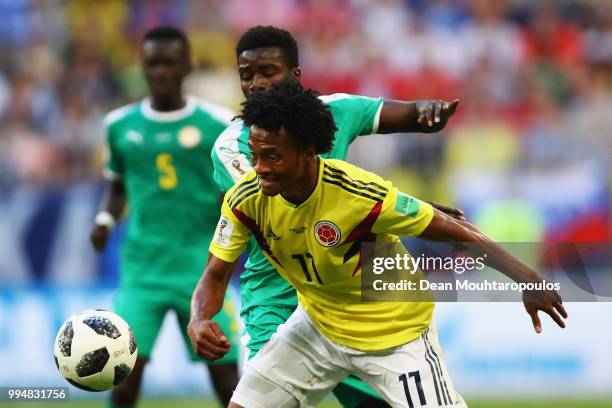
[(287, 105), (167, 33), (269, 36)]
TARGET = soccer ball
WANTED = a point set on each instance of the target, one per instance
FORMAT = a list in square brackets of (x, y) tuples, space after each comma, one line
[(95, 350)]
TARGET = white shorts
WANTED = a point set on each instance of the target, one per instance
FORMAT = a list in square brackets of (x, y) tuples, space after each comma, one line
[(299, 366)]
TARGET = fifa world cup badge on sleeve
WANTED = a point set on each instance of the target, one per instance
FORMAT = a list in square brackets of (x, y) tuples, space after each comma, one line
[(224, 232), (406, 205)]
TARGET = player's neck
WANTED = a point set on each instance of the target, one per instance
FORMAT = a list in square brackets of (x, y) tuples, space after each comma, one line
[(306, 186), (168, 103)]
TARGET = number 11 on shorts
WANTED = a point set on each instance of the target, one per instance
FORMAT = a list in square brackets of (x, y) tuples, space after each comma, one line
[(419, 386)]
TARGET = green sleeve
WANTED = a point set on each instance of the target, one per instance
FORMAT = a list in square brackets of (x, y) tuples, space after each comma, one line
[(231, 156), (113, 162), (220, 174), (359, 113)]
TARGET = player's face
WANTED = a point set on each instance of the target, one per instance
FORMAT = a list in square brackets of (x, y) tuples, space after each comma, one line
[(260, 68), (165, 65), (278, 164)]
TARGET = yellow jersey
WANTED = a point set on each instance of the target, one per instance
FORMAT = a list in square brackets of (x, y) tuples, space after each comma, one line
[(316, 246)]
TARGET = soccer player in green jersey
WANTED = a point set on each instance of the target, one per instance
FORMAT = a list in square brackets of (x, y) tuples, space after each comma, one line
[(333, 332), (159, 163), (266, 56)]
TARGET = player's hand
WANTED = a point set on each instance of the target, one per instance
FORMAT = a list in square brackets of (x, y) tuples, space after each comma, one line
[(99, 236), (548, 301), (453, 212), (435, 112), (207, 339)]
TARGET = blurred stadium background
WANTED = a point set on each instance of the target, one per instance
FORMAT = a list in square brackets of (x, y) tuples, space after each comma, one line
[(527, 157)]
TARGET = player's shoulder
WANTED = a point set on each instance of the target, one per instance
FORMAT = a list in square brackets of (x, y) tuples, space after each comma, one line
[(218, 112), (121, 114), (231, 133), (344, 99), (335, 97), (244, 191), (355, 180), (356, 172), (228, 144)]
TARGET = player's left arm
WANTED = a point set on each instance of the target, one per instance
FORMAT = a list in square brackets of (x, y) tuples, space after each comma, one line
[(423, 116), (426, 116), (443, 228), (389, 116)]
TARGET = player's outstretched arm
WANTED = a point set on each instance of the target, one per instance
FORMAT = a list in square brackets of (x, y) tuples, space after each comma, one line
[(456, 213), (207, 338), (423, 116), (443, 228), (111, 209)]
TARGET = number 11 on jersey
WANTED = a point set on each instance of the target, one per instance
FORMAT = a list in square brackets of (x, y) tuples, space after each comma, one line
[(301, 258), (167, 172)]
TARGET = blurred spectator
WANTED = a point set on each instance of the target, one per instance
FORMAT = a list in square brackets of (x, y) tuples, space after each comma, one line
[(598, 35), (66, 63), (17, 23), (534, 79)]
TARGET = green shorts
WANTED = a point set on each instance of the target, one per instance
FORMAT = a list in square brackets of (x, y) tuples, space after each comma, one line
[(260, 324), (145, 310)]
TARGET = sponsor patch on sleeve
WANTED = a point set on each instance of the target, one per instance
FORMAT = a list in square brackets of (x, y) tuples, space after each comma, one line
[(223, 234), (406, 205)]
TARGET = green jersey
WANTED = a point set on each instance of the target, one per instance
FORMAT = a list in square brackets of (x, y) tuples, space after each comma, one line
[(164, 161), (260, 284)]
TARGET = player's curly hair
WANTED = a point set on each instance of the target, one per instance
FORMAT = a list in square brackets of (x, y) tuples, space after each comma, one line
[(167, 33), (269, 36), (287, 105)]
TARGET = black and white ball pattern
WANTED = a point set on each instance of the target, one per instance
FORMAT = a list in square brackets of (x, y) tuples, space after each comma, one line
[(95, 350), (132, 342), (103, 326), (65, 339), (92, 362)]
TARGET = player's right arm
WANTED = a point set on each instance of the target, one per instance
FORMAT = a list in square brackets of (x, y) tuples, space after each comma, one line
[(111, 208), (207, 338), (114, 198), (229, 241)]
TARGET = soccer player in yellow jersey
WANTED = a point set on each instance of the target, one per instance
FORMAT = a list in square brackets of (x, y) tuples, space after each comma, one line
[(309, 216)]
